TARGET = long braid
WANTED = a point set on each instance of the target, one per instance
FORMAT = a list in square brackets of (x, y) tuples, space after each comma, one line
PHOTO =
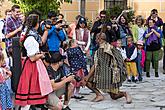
[(30, 23)]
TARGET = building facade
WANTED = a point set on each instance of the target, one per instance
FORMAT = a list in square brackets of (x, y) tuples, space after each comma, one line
[(92, 7)]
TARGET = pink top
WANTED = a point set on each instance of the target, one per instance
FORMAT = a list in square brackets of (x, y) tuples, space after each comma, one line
[(2, 76), (73, 27), (143, 58)]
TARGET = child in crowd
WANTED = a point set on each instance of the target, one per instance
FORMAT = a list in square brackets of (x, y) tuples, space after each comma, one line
[(119, 47), (131, 54), (140, 58), (77, 63), (5, 96)]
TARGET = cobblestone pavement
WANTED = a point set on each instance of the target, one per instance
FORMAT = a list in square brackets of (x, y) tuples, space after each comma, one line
[(147, 95)]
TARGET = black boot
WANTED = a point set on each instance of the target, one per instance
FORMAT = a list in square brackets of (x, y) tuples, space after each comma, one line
[(147, 74), (156, 74)]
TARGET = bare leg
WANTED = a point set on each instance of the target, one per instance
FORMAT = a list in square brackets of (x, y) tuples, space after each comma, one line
[(117, 96), (99, 96), (70, 92), (120, 95)]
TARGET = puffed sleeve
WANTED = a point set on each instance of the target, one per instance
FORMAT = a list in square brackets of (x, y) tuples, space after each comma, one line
[(31, 46)]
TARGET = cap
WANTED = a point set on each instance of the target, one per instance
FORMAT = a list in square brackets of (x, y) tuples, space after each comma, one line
[(139, 42), (82, 20)]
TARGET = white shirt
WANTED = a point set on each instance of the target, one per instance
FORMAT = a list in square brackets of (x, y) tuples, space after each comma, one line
[(1, 28), (82, 42), (140, 33), (31, 46), (123, 52)]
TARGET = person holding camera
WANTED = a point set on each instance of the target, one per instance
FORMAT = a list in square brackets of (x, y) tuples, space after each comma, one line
[(55, 34), (59, 83), (154, 16), (34, 84), (101, 25)]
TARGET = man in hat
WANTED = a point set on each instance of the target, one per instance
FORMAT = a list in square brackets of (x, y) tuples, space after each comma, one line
[(58, 81)]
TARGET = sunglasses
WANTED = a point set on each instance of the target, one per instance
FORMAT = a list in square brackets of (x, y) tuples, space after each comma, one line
[(103, 16)]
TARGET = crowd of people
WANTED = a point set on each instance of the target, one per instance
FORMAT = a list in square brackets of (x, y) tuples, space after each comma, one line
[(43, 60)]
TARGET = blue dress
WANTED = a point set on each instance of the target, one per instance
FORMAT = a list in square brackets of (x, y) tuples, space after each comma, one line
[(5, 97), (77, 60)]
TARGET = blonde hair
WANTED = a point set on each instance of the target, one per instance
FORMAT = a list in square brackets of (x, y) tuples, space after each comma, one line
[(2, 58)]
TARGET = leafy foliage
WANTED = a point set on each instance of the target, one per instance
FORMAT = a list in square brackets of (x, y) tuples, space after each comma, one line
[(43, 6), (117, 10)]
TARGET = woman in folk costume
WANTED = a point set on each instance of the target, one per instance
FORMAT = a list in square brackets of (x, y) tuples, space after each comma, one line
[(34, 84), (108, 71), (82, 35)]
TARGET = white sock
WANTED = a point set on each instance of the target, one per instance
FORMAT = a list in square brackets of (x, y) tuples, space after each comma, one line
[(129, 77), (136, 78), (27, 107)]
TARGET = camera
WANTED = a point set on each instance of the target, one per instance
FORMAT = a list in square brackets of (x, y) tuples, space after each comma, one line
[(48, 23), (63, 25), (77, 78)]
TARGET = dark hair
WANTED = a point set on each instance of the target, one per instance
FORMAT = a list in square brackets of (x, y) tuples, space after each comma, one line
[(8, 10), (126, 22), (31, 22), (77, 17), (154, 11), (61, 15), (78, 24), (52, 14), (15, 7), (103, 12), (152, 20)]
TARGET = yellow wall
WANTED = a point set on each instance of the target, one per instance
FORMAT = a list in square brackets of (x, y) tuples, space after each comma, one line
[(141, 7), (3, 6), (92, 9), (144, 7)]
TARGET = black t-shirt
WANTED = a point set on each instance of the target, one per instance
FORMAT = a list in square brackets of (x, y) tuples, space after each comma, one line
[(55, 75)]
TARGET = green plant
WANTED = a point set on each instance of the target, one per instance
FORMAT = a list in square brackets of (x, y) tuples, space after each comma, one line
[(117, 10), (42, 5)]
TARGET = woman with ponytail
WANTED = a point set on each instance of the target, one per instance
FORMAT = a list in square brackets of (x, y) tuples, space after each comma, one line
[(32, 88)]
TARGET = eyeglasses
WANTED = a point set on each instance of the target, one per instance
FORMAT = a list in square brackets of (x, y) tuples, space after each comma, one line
[(102, 16)]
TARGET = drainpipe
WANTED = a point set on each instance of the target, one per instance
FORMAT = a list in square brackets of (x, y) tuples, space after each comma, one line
[(82, 7)]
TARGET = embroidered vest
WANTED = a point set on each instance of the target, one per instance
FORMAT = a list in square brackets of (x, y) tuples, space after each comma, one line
[(83, 38)]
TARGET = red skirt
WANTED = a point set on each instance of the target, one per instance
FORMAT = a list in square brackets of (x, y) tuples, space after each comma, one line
[(28, 92), (79, 73)]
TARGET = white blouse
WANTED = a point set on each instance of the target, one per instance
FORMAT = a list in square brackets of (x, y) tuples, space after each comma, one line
[(31, 46), (82, 42)]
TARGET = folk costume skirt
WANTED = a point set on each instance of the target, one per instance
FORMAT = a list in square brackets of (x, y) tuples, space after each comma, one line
[(29, 92)]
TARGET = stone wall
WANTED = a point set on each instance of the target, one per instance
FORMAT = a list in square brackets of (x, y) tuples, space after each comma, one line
[(144, 7), (92, 9), (3, 6)]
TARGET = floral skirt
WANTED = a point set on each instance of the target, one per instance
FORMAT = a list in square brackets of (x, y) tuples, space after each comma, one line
[(5, 97)]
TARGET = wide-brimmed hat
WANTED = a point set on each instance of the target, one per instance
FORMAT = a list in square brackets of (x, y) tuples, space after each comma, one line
[(139, 42)]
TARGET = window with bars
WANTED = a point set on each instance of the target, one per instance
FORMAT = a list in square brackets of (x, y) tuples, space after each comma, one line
[(112, 3)]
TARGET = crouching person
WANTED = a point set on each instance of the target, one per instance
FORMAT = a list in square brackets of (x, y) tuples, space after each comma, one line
[(59, 81)]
